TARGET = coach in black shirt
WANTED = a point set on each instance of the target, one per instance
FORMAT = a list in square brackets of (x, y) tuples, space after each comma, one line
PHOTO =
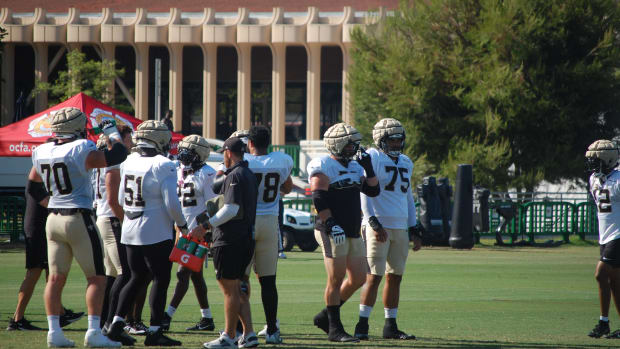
[(233, 241)]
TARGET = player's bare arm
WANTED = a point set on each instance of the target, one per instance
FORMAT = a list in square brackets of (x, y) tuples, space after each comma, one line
[(112, 183)]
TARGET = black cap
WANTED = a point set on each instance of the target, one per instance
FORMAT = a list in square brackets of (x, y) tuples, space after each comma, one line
[(233, 144)]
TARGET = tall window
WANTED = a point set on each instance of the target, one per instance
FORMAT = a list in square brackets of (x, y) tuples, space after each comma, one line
[(226, 110)]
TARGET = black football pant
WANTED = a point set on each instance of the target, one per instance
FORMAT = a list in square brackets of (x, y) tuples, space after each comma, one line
[(142, 260)]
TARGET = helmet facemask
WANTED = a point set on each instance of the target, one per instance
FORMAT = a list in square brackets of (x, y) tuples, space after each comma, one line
[(188, 157), (384, 144)]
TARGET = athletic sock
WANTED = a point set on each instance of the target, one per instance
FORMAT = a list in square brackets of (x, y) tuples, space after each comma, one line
[(604, 318), (153, 328), (206, 313), (117, 319), (94, 322), (365, 310), (390, 313), (269, 296), (333, 314), (53, 323), (171, 310)]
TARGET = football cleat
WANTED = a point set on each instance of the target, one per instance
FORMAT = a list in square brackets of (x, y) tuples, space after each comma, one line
[(57, 339), (222, 342), (22, 325), (158, 339), (137, 328), (601, 329), (250, 341), (273, 338), (391, 331), (614, 335), (117, 333), (361, 331), (95, 339), (321, 320), (263, 332), (69, 317), (205, 324), (339, 335)]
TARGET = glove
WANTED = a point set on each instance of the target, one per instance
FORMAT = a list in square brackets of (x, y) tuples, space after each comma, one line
[(363, 158), (335, 231), (109, 129), (599, 180), (416, 231)]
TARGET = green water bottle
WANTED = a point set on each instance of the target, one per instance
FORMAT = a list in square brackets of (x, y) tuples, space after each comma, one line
[(192, 247), (182, 242), (201, 251)]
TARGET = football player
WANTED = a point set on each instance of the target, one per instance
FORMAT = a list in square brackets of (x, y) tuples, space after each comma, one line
[(148, 192), (61, 171), (389, 219), (194, 179), (336, 182), (109, 218), (602, 159), (273, 174)]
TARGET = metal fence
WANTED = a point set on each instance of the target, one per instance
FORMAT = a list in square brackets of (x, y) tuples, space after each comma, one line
[(12, 210)]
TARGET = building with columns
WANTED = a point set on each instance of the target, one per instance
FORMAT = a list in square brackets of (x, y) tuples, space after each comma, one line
[(222, 66)]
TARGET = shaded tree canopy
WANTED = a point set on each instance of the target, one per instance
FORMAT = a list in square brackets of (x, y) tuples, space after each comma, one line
[(88, 76), (519, 89)]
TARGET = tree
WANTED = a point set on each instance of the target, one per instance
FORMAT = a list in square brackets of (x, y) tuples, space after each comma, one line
[(519, 89), (90, 77)]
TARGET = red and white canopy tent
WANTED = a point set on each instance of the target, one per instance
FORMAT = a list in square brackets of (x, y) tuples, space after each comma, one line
[(20, 138)]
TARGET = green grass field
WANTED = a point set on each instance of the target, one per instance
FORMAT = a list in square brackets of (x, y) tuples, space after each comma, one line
[(488, 297)]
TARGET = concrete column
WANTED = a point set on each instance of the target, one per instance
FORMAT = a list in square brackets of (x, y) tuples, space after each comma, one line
[(209, 90), (176, 85), (278, 93), (244, 87), (142, 81), (40, 73), (313, 97), (347, 116), (108, 54), (8, 84)]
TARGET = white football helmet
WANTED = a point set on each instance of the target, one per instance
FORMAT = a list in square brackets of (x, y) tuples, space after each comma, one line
[(193, 149), (337, 137), (385, 129), (602, 156), (155, 134), (68, 122), (243, 134)]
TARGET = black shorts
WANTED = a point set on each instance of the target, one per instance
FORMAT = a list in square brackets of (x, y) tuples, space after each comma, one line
[(230, 261), (610, 253), (36, 252)]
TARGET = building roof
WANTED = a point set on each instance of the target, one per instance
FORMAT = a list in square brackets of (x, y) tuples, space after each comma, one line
[(196, 6)]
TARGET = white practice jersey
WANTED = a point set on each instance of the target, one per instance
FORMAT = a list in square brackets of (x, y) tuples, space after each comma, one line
[(149, 187), (63, 170), (271, 171), (101, 195), (391, 207), (194, 189), (607, 199)]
